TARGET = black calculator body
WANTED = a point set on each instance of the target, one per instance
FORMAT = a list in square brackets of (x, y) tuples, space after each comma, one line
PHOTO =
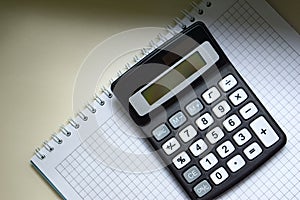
[(212, 131)]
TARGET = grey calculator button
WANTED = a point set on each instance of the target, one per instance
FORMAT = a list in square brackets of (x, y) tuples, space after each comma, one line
[(161, 132), (191, 174), (194, 107), (178, 119), (202, 188)]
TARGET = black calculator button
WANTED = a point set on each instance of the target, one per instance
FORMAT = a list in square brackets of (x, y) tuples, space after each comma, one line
[(225, 149), (219, 175), (264, 131), (228, 83), (204, 121), (202, 188), (187, 133), (198, 147), (177, 119), (194, 107), (236, 163), (232, 122), (171, 146), (238, 96), (161, 132), (211, 95), (191, 174), (208, 161), (248, 110), (215, 135), (252, 151), (181, 160), (221, 109), (242, 136)]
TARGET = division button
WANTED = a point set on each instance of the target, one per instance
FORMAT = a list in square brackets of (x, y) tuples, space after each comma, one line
[(227, 83), (264, 131), (202, 188)]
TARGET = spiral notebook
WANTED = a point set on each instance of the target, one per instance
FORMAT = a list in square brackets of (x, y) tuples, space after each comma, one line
[(264, 49)]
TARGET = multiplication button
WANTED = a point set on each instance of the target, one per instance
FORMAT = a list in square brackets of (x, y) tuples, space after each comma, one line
[(264, 131), (238, 97)]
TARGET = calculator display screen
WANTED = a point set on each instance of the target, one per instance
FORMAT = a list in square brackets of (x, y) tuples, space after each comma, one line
[(173, 78)]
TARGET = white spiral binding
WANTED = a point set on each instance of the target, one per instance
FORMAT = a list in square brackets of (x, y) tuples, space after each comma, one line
[(181, 23)]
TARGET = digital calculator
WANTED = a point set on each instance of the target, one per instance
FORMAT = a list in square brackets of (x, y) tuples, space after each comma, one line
[(198, 113)]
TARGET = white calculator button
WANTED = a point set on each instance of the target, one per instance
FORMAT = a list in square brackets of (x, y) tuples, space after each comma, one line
[(194, 107), (232, 122), (198, 147), (211, 95), (252, 151), (215, 135), (264, 131), (221, 109), (181, 160), (208, 161), (225, 149), (236, 163), (161, 132), (248, 110), (171, 146), (238, 97), (177, 119), (187, 133), (219, 175), (204, 121), (227, 83), (242, 136)]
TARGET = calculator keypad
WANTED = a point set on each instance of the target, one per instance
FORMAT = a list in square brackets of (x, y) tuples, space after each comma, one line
[(211, 141)]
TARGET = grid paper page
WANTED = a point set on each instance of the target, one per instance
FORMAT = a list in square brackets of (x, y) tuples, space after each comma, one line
[(271, 68)]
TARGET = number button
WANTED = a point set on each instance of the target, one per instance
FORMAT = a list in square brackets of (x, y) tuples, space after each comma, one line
[(225, 149), (242, 137), (191, 174), (232, 122), (227, 83), (208, 161), (236, 163), (252, 151), (238, 97), (194, 107), (211, 95), (248, 110), (204, 121), (219, 175), (178, 119), (202, 188), (187, 133), (181, 160), (171, 146), (198, 147), (215, 135), (264, 131), (221, 109), (161, 132)]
